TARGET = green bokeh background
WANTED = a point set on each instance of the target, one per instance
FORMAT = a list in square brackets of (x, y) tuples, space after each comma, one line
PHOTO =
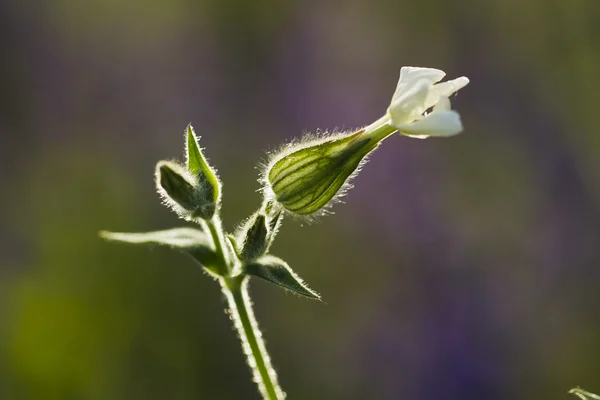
[(456, 269)]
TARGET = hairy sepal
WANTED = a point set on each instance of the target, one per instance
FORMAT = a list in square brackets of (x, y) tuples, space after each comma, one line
[(306, 177)]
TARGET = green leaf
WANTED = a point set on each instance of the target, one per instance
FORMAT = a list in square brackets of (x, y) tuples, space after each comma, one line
[(277, 271), (583, 395), (192, 241), (197, 165)]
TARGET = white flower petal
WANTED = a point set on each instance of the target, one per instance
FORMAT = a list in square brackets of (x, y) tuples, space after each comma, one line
[(440, 123), (442, 105), (413, 74), (410, 104), (409, 76), (414, 136), (445, 89)]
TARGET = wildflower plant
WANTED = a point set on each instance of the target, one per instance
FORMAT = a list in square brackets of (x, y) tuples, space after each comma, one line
[(301, 179)]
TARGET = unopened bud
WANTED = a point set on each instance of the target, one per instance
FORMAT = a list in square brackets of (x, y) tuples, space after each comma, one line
[(306, 180), (182, 192), (255, 238)]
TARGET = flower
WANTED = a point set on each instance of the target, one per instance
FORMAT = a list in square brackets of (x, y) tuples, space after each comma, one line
[(307, 177), (418, 90)]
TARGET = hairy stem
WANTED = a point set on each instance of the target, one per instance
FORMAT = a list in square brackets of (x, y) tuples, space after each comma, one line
[(214, 226), (242, 315), (240, 308)]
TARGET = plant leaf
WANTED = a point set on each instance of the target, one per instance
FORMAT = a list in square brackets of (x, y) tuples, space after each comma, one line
[(277, 271), (192, 241), (583, 395), (197, 165)]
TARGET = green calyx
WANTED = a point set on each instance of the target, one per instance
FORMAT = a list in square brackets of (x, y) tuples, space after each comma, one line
[(306, 180)]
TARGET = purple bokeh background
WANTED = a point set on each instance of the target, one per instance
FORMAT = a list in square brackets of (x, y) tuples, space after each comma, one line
[(464, 269)]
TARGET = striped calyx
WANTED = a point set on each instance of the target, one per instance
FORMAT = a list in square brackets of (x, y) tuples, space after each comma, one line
[(305, 180)]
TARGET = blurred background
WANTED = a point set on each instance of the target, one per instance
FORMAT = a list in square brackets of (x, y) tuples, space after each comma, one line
[(456, 269)]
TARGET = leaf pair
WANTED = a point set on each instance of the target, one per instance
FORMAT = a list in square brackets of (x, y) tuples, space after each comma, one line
[(200, 246)]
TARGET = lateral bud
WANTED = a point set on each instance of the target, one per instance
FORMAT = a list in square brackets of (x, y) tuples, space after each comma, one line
[(183, 193), (254, 237), (305, 180)]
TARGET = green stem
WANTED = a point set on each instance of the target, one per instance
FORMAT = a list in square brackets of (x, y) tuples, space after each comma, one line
[(379, 129), (240, 309), (240, 306), (214, 226)]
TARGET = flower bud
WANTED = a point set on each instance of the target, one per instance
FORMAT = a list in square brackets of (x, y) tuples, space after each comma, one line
[(255, 242), (183, 193), (305, 179)]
